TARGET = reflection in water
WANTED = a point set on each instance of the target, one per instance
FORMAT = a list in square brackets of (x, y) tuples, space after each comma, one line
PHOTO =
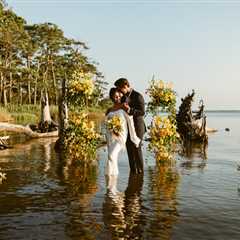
[(113, 209), (46, 197), (122, 211), (81, 182), (133, 207), (80, 178), (194, 155), (163, 181), (47, 153)]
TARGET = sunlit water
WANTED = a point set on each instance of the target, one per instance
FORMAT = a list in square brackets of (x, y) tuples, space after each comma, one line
[(198, 198)]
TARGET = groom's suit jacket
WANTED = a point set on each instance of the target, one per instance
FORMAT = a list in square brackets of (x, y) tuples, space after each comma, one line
[(137, 110)]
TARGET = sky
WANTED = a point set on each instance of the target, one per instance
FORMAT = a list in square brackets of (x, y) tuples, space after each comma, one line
[(195, 44)]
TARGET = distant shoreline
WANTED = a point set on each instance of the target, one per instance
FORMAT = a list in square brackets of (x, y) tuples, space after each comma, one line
[(227, 111)]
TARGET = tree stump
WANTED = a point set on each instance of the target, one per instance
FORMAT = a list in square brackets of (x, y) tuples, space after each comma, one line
[(190, 126)]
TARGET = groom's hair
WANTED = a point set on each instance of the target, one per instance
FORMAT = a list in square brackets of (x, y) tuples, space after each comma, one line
[(121, 82)]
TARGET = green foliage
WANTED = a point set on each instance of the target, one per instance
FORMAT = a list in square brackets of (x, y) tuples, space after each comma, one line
[(37, 57), (25, 114)]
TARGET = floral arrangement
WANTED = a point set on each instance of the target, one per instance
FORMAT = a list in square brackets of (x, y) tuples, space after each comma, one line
[(2, 176), (163, 134), (81, 138), (81, 87), (162, 95), (114, 124)]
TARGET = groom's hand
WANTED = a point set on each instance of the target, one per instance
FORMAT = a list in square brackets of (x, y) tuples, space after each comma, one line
[(126, 107)]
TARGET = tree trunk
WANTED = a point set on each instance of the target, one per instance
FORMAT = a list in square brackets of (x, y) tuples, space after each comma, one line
[(29, 79), (63, 115), (5, 97), (29, 92), (10, 87), (35, 92), (35, 85), (20, 91), (1, 86), (45, 109), (55, 85)]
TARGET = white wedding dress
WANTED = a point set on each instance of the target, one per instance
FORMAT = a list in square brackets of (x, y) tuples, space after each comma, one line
[(117, 143)]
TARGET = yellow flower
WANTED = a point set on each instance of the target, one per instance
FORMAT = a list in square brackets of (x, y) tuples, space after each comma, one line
[(114, 124), (81, 83), (160, 84)]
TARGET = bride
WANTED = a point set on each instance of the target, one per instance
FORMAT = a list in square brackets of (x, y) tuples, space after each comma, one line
[(116, 142)]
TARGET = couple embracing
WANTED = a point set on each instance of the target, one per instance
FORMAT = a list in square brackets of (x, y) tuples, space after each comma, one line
[(129, 107)]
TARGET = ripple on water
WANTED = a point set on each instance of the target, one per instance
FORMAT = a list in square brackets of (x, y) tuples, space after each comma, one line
[(43, 198)]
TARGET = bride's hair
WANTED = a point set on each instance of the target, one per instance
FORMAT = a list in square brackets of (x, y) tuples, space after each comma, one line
[(112, 93)]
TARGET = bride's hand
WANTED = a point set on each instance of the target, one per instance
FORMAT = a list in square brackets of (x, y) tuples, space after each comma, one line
[(125, 107)]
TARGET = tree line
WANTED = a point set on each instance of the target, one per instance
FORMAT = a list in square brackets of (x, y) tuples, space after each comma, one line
[(34, 59)]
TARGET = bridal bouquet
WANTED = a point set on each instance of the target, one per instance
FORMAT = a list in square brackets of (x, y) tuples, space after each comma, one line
[(114, 125)]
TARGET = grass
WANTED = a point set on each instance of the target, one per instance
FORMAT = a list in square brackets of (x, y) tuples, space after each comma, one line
[(5, 116), (24, 114), (30, 114)]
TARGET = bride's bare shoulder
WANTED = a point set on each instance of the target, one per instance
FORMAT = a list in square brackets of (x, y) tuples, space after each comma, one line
[(113, 109)]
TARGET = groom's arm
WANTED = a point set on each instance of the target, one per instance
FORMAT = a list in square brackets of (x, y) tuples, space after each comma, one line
[(138, 106)]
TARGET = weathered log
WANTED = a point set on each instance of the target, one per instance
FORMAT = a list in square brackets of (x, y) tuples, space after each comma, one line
[(4, 142), (26, 130)]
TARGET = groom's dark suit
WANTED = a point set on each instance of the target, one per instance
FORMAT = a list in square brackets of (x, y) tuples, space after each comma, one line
[(137, 110)]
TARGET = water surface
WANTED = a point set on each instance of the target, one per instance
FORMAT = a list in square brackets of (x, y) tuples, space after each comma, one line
[(197, 198)]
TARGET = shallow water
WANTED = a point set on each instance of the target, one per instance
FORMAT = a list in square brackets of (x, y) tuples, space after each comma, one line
[(198, 198)]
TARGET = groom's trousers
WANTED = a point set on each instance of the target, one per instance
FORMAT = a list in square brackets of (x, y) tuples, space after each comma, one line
[(135, 156)]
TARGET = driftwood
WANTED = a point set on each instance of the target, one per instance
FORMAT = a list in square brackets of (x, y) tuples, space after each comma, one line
[(191, 126), (26, 130), (4, 142)]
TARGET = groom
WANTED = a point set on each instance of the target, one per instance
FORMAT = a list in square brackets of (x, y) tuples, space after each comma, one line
[(133, 104)]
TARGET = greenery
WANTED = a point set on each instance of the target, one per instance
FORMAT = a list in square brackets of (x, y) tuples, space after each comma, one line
[(35, 58), (5, 116), (24, 114)]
